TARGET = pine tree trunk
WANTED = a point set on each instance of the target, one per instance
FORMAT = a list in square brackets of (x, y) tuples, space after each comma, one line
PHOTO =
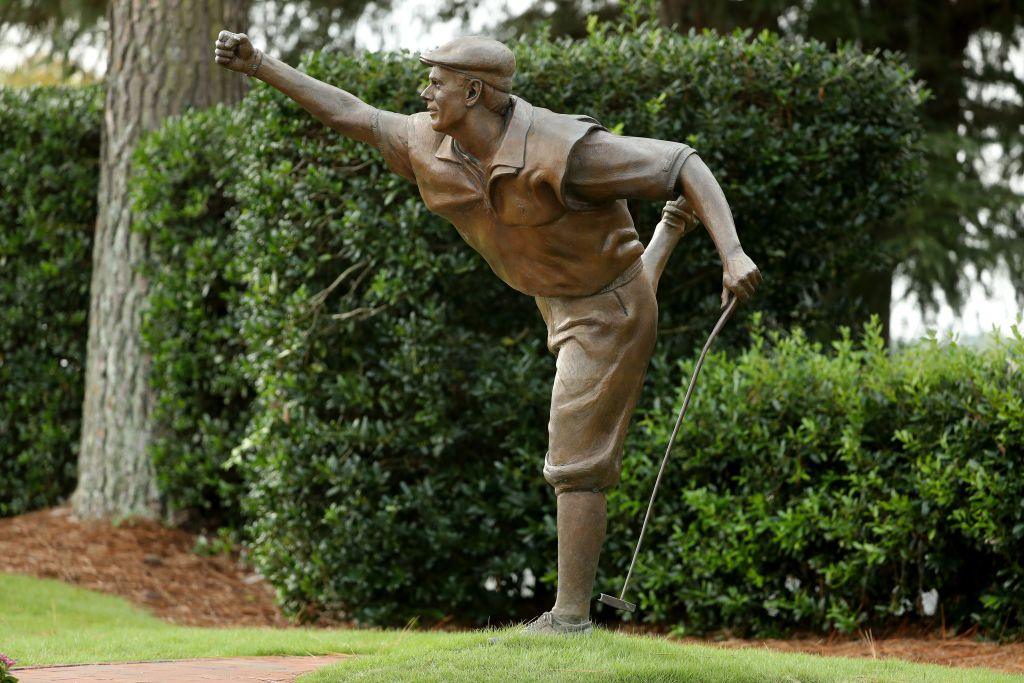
[(877, 294), (160, 63)]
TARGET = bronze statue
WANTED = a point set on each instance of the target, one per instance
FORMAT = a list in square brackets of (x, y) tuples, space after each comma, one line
[(541, 196)]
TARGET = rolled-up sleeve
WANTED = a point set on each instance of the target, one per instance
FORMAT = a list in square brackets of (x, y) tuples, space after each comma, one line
[(391, 137), (604, 167)]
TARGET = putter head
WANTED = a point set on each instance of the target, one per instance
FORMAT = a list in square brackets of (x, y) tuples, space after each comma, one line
[(616, 603)]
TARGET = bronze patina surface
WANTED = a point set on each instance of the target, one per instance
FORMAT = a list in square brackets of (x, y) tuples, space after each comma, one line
[(542, 197)]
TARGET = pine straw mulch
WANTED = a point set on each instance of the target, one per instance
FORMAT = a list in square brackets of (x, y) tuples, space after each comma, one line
[(151, 565), (155, 567)]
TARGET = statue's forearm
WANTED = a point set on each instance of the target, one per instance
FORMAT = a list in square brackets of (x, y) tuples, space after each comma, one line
[(740, 276), (342, 111), (708, 202), (676, 221), (656, 254)]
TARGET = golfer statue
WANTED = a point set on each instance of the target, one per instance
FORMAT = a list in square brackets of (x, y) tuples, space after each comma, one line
[(541, 196)]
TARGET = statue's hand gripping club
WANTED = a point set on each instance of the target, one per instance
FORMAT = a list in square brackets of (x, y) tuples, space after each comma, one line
[(740, 277)]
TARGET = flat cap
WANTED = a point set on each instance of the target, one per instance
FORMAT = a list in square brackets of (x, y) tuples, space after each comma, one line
[(477, 57)]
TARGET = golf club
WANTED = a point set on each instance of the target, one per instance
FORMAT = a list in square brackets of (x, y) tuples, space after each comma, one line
[(621, 602)]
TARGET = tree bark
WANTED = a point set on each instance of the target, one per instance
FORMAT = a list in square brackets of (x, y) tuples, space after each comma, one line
[(160, 63)]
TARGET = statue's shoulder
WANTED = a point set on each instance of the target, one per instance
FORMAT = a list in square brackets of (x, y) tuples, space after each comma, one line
[(553, 135), (552, 123), (561, 130)]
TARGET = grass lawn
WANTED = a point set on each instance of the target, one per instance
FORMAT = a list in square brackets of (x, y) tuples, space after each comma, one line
[(608, 656), (47, 622)]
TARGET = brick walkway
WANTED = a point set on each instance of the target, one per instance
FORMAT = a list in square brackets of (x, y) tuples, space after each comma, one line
[(235, 670)]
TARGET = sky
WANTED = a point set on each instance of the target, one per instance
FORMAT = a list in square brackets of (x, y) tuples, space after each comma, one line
[(990, 304), (411, 26)]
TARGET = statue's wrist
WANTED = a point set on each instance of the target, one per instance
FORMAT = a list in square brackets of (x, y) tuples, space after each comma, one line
[(255, 63), (671, 226), (734, 253)]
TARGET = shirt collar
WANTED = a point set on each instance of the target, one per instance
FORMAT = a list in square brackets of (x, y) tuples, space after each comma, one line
[(511, 152)]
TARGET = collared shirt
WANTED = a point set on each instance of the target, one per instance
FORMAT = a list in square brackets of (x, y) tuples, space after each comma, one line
[(548, 214)]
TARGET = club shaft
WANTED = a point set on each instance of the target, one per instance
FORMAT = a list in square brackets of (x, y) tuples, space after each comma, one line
[(671, 440)]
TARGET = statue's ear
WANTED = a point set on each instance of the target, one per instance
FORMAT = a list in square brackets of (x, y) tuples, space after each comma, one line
[(474, 90)]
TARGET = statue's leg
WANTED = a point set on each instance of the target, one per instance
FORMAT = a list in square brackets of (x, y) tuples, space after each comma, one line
[(604, 344), (581, 529)]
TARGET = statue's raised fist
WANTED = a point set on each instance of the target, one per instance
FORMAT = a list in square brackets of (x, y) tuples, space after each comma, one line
[(234, 51)]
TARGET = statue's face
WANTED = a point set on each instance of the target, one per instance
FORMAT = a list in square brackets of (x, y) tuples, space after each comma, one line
[(446, 98)]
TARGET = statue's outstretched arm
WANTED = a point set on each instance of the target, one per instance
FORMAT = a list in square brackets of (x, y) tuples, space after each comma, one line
[(341, 110)]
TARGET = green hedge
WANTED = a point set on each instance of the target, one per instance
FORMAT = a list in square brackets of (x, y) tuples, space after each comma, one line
[(392, 448), (830, 487), (184, 183), (49, 170)]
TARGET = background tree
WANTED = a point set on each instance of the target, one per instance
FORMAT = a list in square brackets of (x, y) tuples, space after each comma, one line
[(971, 56), (159, 64), (61, 24), (289, 29)]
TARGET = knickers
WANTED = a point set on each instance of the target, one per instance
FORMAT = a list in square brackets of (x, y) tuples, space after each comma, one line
[(603, 344)]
